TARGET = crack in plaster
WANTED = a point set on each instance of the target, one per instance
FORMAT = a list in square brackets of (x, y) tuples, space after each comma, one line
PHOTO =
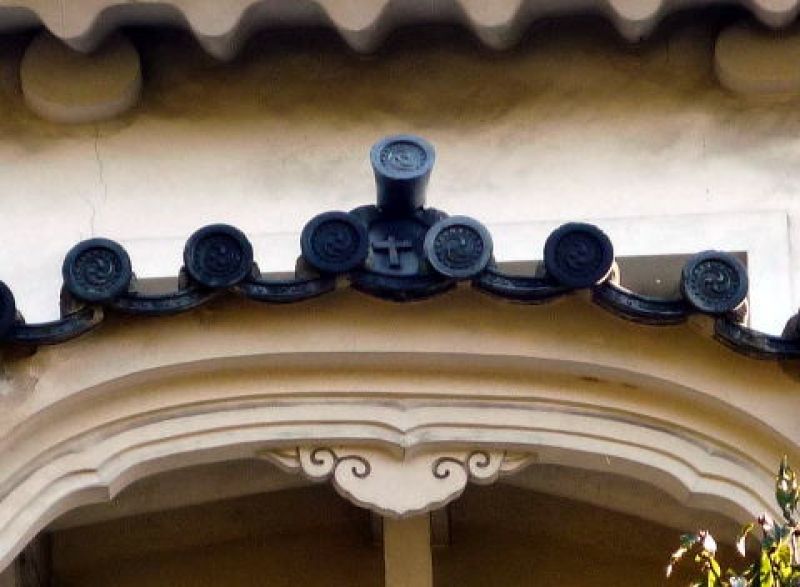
[(101, 179), (791, 244), (100, 167)]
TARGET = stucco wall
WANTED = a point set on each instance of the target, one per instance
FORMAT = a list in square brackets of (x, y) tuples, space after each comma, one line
[(571, 124)]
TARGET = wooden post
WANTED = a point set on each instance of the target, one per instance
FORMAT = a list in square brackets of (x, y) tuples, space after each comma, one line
[(407, 552)]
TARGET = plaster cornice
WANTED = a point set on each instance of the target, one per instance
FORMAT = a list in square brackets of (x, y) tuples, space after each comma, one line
[(221, 28)]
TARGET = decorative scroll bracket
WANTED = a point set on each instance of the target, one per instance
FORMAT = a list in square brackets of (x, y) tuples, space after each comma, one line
[(398, 486)]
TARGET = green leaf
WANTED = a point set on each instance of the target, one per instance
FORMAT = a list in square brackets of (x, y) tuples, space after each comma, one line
[(786, 489), (782, 555), (689, 540), (765, 575)]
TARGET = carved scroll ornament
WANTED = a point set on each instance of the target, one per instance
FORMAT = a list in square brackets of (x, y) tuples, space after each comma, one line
[(398, 485)]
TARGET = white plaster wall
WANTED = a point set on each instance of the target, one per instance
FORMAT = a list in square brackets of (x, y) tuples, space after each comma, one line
[(572, 124)]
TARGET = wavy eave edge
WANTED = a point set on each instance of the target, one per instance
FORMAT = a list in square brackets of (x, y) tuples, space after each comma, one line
[(222, 30)]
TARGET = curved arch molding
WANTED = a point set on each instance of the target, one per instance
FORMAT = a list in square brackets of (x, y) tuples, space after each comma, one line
[(399, 406)]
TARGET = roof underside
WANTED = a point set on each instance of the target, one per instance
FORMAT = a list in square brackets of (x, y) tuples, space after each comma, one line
[(222, 28)]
